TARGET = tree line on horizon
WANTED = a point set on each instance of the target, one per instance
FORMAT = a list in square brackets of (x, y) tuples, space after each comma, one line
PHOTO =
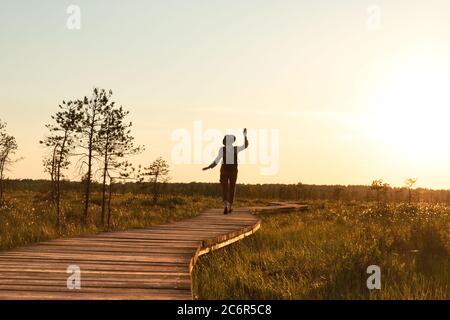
[(95, 132), (289, 192)]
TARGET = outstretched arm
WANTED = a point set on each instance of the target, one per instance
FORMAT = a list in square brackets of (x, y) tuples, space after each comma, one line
[(212, 165), (216, 161)]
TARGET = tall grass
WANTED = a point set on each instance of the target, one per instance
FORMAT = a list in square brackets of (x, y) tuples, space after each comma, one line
[(28, 216), (324, 254)]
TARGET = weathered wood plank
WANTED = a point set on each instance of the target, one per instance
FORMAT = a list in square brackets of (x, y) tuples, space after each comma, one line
[(48, 295)]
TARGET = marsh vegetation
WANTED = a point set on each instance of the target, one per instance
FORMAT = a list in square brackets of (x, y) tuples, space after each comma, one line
[(324, 253)]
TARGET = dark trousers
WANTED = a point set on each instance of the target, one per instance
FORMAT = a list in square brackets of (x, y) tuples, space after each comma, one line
[(228, 177)]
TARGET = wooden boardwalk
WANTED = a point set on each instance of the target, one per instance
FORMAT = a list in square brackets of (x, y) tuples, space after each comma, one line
[(151, 263)]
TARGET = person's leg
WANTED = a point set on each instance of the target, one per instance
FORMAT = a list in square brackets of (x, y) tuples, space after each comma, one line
[(232, 188), (224, 183)]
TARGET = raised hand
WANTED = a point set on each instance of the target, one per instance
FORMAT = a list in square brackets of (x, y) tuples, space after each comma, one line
[(245, 132)]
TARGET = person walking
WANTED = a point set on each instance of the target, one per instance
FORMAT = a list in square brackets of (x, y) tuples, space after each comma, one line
[(229, 168)]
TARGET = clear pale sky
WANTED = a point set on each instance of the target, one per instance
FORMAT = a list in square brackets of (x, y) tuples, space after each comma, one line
[(351, 103)]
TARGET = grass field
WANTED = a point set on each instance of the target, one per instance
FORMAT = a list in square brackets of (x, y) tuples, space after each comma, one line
[(324, 253), (28, 217)]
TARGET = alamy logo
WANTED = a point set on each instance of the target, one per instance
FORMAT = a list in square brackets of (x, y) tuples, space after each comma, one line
[(373, 18), (374, 280), (74, 280), (74, 20), (200, 146)]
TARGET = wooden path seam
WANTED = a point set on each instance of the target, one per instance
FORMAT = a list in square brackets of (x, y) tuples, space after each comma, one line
[(151, 263)]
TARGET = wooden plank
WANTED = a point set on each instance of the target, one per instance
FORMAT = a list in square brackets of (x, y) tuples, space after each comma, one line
[(49, 295), (97, 257), (97, 265), (93, 275), (138, 272), (108, 249), (98, 284), (69, 254)]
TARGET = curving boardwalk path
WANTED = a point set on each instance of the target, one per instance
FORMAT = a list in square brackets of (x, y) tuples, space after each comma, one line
[(151, 263)]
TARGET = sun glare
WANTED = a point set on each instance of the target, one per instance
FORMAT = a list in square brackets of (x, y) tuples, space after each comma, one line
[(413, 111)]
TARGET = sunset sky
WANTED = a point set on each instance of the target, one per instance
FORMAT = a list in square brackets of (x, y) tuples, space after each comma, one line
[(352, 101)]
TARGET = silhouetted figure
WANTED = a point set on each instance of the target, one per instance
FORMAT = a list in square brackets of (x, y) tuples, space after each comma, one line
[(229, 169)]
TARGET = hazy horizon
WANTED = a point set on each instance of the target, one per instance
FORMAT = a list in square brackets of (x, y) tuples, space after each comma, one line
[(352, 101)]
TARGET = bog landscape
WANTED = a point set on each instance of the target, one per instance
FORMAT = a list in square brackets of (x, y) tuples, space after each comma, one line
[(321, 251), (290, 150)]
